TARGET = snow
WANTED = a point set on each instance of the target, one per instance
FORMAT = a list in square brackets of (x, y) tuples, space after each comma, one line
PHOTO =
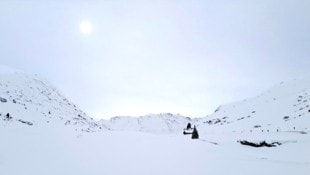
[(33, 100), (47, 151), (268, 111), (165, 123), (65, 140)]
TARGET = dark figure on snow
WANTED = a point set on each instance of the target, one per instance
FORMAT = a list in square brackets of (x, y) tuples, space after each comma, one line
[(195, 134), (188, 129), (8, 117), (189, 126)]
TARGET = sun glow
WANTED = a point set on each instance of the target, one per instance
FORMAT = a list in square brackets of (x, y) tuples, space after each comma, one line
[(86, 27)]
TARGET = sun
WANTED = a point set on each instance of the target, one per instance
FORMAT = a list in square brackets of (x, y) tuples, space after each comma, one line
[(86, 27)]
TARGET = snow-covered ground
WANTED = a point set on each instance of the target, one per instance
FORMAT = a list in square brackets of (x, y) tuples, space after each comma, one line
[(46, 134), (37, 151)]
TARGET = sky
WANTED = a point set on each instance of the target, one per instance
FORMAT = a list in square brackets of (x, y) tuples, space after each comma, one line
[(157, 56)]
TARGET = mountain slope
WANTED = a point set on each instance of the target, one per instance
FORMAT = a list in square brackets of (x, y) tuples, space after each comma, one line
[(28, 101), (285, 107), (154, 123)]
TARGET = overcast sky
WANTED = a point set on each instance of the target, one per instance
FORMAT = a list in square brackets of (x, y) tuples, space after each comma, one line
[(178, 56)]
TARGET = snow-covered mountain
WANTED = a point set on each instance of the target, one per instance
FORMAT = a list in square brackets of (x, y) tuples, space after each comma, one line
[(284, 107), (154, 123), (39, 126), (27, 100)]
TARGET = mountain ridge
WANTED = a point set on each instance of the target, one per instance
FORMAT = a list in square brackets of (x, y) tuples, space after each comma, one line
[(29, 100), (34, 101)]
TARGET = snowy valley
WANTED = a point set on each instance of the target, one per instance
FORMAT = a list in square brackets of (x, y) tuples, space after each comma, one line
[(42, 132)]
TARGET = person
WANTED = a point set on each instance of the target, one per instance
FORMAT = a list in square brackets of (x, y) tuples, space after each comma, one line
[(195, 134), (189, 126), (8, 117)]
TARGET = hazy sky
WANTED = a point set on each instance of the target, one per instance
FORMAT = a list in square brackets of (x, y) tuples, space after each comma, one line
[(153, 56)]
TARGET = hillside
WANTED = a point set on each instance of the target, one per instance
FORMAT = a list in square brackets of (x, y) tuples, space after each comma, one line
[(28, 101), (284, 107), (31, 101), (165, 123)]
